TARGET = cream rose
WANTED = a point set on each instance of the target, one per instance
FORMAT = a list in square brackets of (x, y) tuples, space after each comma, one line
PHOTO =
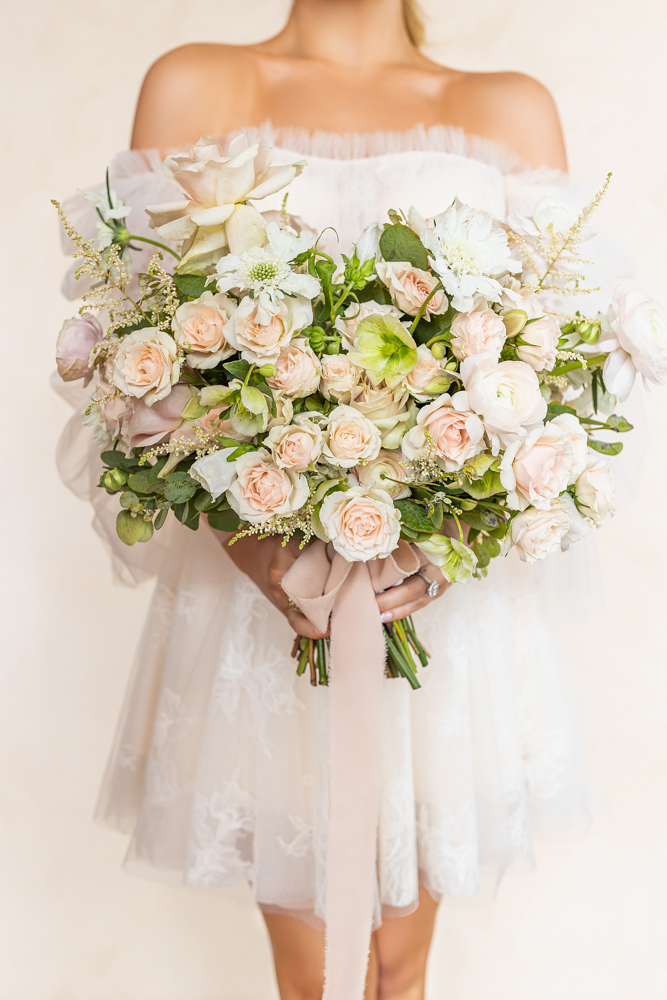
[(261, 327), (145, 364), (594, 489), (640, 325), (409, 288), (578, 439), (361, 524), (380, 472), (537, 533), (262, 490), (537, 470), (298, 370), (76, 340), (478, 332), (538, 342), (426, 373), (199, 328), (506, 396), (350, 437), (391, 410), (284, 410), (580, 526), (456, 434), (295, 446), (339, 376), (347, 323)]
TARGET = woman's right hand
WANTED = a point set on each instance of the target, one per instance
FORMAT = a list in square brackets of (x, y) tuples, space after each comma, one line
[(266, 561)]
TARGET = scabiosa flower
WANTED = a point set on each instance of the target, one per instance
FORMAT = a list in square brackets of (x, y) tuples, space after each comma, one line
[(469, 255), (267, 268)]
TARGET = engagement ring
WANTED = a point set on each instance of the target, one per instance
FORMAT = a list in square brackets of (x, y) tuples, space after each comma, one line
[(433, 588)]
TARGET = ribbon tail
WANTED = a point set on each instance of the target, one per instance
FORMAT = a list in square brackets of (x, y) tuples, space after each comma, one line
[(355, 730)]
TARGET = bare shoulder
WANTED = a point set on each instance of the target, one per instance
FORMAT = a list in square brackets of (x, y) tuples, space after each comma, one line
[(514, 109), (192, 90)]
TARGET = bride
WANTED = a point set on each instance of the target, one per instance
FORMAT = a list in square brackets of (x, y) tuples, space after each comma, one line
[(219, 770)]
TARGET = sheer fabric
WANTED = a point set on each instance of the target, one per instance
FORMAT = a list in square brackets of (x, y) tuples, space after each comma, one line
[(218, 771)]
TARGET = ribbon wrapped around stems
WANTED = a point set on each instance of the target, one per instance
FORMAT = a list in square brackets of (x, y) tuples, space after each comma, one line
[(323, 585)]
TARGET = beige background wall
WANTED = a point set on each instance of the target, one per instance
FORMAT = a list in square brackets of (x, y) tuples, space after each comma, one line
[(591, 923)]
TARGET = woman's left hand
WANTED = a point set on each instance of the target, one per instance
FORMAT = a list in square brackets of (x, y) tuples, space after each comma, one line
[(411, 595)]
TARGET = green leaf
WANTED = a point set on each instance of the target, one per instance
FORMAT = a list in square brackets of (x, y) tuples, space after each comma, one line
[(203, 500), (239, 369), (179, 492), (129, 499), (555, 410), (227, 442), (113, 458), (193, 409), (325, 487), (193, 520), (154, 470), (225, 520), (483, 520), (400, 243), (619, 424), (191, 285), (414, 516), (160, 518), (481, 489), (606, 447), (482, 553), (139, 482)]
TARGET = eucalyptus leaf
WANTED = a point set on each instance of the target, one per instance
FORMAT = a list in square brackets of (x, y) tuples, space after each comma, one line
[(400, 243), (191, 285), (129, 499), (140, 482), (160, 518), (619, 424), (179, 492), (606, 447), (482, 553), (203, 500)]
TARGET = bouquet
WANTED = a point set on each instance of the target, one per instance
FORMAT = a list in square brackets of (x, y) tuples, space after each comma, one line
[(432, 386)]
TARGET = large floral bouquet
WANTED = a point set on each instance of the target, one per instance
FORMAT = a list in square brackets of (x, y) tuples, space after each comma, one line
[(431, 387)]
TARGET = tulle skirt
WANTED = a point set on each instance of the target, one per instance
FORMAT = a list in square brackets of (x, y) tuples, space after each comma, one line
[(219, 768)]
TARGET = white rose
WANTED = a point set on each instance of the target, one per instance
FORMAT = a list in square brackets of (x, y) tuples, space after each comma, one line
[(380, 472), (145, 364), (284, 410), (506, 396), (262, 327), (391, 410), (536, 533), (298, 370), (214, 472), (350, 438), (423, 375), (361, 524), (594, 489), (538, 342), (578, 438), (295, 446), (199, 327), (640, 324), (579, 526), (410, 286), (339, 375), (347, 323), (262, 490), (479, 332), (456, 434), (537, 470)]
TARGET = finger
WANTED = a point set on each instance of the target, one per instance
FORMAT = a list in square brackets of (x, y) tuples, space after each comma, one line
[(302, 626), (405, 610), (411, 590)]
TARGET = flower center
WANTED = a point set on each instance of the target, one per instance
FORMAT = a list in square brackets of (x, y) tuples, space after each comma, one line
[(462, 257), (262, 271)]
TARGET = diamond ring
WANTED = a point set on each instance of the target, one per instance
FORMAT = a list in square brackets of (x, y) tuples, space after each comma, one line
[(433, 588)]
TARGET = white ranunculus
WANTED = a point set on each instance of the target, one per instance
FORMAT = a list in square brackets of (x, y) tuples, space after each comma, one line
[(505, 395), (213, 214), (261, 490), (389, 465), (361, 523), (537, 470), (580, 526), (456, 434), (548, 211), (267, 268), (262, 327), (469, 255), (640, 325), (594, 489), (295, 446), (146, 365), (537, 533), (199, 327), (350, 438), (578, 438), (214, 472)]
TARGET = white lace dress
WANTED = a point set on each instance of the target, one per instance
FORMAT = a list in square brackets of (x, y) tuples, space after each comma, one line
[(219, 768)]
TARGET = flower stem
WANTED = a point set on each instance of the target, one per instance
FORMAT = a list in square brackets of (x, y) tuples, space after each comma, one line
[(145, 239), (422, 307)]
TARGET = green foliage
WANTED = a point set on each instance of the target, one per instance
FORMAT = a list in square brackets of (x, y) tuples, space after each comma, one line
[(400, 243), (225, 520), (555, 410), (191, 285), (606, 447), (481, 489)]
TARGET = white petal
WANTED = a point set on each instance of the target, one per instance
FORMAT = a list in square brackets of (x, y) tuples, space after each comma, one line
[(213, 216), (619, 374)]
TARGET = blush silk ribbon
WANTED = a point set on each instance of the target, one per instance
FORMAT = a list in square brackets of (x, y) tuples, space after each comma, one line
[(323, 584)]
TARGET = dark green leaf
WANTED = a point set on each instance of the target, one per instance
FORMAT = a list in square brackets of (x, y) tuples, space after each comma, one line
[(203, 499), (606, 447), (400, 243), (129, 499), (192, 521), (483, 520), (414, 516), (160, 518), (191, 285), (179, 492), (482, 553), (154, 470), (225, 520), (555, 410), (489, 485), (239, 369)]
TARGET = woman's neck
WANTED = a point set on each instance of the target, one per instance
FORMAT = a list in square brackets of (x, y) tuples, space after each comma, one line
[(359, 34)]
